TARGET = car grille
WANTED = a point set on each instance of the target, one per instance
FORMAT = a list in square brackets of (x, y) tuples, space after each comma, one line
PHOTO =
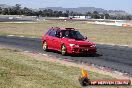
[(85, 45)]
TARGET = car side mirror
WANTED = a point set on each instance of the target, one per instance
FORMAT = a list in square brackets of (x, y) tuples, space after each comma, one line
[(85, 37)]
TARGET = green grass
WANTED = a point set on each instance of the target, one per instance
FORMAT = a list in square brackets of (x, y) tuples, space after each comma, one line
[(96, 33), (20, 71)]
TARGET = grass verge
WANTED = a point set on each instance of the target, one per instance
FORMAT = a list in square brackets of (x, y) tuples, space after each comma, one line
[(21, 71)]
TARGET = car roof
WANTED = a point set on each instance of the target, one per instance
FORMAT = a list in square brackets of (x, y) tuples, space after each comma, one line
[(57, 28)]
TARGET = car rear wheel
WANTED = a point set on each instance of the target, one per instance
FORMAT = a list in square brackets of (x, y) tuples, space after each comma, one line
[(63, 50), (45, 46)]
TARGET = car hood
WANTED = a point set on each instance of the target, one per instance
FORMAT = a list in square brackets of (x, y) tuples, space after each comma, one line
[(80, 42)]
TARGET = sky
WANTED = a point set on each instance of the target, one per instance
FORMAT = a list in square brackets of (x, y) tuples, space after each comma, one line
[(105, 4)]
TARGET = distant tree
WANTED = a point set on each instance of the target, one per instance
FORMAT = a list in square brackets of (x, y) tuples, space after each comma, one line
[(50, 12), (123, 17), (75, 14), (66, 14), (9, 11), (88, 14), (18, 9), (112, 17), (0, 10), (107, 16), (44, 12), (27, 11), (60, 13), (95, 12), (55, 14), (95, 15), (40, 13), (128, 17), (102, 16), (71, 13), (5, 11)]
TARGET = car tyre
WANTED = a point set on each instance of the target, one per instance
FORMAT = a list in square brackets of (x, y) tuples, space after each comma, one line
[(45, 46), (63, 50)]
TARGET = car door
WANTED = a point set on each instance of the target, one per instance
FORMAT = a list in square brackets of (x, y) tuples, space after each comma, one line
[(51, 37), (57, 40)]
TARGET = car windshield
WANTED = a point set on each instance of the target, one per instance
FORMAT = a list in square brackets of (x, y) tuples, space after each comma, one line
[(72, 34)]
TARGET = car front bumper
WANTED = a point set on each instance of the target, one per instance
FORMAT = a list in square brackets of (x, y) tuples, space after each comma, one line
[(81, 50)]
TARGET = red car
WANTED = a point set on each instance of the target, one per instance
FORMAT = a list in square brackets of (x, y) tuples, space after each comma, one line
[(67, 41)]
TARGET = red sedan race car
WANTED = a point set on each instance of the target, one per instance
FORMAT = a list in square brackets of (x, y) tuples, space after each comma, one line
[(67, 41)]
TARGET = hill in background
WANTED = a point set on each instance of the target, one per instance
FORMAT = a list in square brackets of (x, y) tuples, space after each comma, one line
[(4, 6), (88, 9)]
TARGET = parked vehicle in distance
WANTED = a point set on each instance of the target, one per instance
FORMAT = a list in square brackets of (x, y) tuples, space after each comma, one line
[(67, 41)]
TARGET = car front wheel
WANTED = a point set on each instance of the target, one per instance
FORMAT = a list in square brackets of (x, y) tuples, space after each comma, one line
[(63, 50)]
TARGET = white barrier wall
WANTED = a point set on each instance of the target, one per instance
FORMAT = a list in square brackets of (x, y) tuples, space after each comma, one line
[(114, 23)]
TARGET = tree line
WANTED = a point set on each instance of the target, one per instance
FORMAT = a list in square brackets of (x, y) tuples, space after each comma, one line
[(18, 10)]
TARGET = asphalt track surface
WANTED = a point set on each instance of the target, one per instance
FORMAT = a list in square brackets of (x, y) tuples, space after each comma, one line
[(113, 57)]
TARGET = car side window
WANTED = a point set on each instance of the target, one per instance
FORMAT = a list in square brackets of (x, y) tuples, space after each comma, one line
[(52, 33), (48, 32), (57, 34)]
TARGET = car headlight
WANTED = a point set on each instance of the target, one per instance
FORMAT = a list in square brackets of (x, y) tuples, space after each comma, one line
[(74, 45), (93, 46)]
